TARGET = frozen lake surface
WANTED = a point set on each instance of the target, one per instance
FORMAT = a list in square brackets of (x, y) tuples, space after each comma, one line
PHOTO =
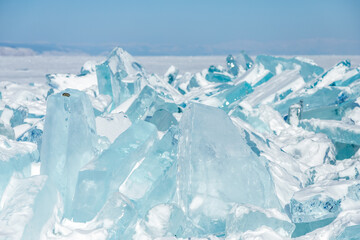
[(26, 69)]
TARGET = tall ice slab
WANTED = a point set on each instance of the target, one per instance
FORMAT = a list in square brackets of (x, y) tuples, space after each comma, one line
[(216, 168), (68, 140)]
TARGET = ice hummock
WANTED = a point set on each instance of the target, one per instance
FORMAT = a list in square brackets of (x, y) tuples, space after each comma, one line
[(263, 149), (119, 76)]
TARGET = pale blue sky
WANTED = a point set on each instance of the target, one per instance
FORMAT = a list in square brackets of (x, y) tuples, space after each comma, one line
[(197, 27)]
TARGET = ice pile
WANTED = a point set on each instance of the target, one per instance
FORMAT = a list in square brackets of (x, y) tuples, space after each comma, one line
[(259, 149)]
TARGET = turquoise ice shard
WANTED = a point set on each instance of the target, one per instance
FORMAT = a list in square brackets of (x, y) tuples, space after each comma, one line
[(27, 205), (317, 205), (350, 233), (117, 215), (68, 141), (308, 71), (217, 75), (324, 103), (147, 103), (14, 115), (119, 76), (15, 157), (278, 87), (340, 75), (99, 179), (232, 65), (171, 74), (211, 164), (34, 134), (247, 217), (314, 209), (154, 180), (335, 130), (294, 115), (162, 119), (231, 97), (238, 63)]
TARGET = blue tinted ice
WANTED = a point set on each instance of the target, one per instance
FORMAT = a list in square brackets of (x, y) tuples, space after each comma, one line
[(34, 134), (15, 158), (354, 192), (276, 65), (314, 209), (217, 75), (335, 130), (154, 180), (6, 130), (118, 213), (212, 163), (342, 74), (27, 206), (119, 76), (239, 63), (68, 141), (350, 233), (102, 177), (147, 103)]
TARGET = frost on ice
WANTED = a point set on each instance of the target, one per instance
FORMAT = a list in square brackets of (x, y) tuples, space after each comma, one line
[(263, 148)]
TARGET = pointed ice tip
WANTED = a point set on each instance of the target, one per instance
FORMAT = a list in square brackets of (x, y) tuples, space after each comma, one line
[(345, 62)]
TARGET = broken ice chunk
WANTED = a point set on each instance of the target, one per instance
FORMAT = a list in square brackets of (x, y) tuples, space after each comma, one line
[(278, 87), (323, 103), (162, 119), (350, 233), (294, 115), (147, 103), (6, 130), (15, 157), (354, 192), (166, 220), (68, 141), (25, 208), (340, 75), (88, 67), (117, 214), (314, 209), (246, 217), (212, 164), (119, 76), (101, 178), (154, 181), (318, 205), (335, 130), (276, 65), (232, 65), (217, 75), (239, 64), (234, 95), (14, 115), (171, 74), (227, 97), (34, 134)]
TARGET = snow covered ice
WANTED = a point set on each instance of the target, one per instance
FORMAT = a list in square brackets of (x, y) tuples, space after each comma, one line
[(254, 148)]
